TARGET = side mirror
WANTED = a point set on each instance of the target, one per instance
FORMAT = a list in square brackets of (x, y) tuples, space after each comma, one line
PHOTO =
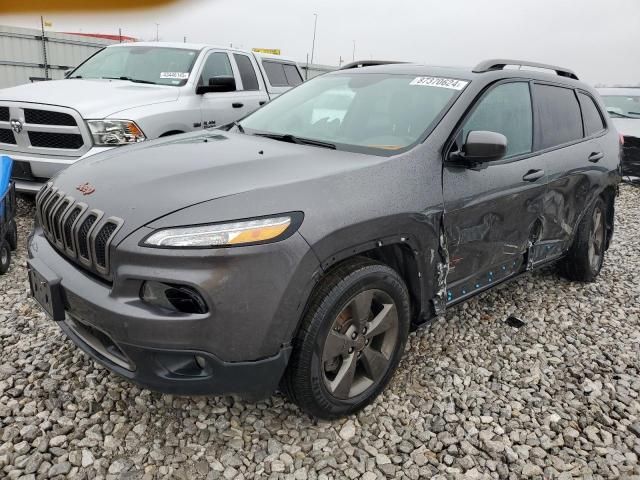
[(67, 72), (217, 84), (481, 146)]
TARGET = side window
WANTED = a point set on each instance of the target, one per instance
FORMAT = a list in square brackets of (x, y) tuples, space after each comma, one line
[(292, 74), (247, 72), (559, 115), (591, 116), (275, 74), (507, 110), (216, 65)]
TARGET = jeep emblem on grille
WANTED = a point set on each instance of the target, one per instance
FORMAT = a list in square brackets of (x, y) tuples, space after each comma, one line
[(16, 125), (86, 188)]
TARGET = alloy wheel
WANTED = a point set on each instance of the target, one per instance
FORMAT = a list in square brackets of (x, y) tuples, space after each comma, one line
[(360, 345)]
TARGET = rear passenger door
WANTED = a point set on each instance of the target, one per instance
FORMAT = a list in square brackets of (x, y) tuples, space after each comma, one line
[(251, 93), (492, 211), (571, 153)]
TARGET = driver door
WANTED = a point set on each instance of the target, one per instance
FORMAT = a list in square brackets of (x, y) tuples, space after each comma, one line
[(492, 210)]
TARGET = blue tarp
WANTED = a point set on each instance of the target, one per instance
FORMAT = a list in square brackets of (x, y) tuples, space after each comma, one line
[(5, 175)]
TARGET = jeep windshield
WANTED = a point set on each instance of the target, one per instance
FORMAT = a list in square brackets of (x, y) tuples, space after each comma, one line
[(375, 112), (140, 64), (623, 106)]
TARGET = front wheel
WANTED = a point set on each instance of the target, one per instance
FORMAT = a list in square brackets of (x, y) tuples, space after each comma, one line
[(351, 339), (586, 256)]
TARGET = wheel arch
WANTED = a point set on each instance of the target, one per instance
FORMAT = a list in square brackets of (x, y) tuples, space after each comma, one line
[(171, 132)]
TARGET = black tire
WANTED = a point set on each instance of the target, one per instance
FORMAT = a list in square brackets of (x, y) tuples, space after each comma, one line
[(306, 381), (12, 235), (5, 256), (584, 260)]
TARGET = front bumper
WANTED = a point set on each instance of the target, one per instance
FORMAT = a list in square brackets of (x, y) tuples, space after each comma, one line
[(242, 345), (31, 172)]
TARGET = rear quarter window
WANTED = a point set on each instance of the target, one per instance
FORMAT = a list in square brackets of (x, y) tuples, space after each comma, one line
[(593, 122), (282, 74), (559, 119)]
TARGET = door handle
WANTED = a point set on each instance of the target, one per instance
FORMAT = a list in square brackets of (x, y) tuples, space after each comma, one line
[(237, 105), (262, 102), (533, 175), (595, 157)]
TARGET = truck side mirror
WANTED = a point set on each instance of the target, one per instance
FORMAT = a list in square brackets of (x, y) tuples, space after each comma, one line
[(480, 146), (218, 84)]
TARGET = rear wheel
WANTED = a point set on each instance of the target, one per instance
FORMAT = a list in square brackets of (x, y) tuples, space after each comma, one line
[(586, 256), (351, 340), (5, 256)]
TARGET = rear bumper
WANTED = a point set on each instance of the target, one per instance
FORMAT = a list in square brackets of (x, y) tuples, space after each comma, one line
[(30, 172)]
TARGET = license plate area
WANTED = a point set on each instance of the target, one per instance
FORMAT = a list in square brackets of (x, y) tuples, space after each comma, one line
[(46, 289)]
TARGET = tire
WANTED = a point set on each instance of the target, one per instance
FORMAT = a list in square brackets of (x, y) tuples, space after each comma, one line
[(5, 257), (340, 338), (12, 235), (586, 256)]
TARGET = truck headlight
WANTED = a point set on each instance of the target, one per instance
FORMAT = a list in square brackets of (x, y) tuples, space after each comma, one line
[(115, 132), (245, 232)]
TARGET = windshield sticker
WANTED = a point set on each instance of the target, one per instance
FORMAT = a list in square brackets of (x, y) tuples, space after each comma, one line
[(451, 83), (178, 75)]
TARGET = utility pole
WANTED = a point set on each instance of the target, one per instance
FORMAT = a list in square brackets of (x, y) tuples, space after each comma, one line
[(157, 31), (185, 39), (353, 57), (120, 35), (313, 45), (44, 50)]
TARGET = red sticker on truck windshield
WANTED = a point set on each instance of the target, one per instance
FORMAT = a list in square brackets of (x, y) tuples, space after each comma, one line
[(440, 82)]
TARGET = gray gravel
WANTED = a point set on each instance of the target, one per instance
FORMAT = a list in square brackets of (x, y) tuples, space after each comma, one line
[(474, 397)]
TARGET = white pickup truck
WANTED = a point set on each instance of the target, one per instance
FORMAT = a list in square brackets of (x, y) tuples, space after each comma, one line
[(128, 93)]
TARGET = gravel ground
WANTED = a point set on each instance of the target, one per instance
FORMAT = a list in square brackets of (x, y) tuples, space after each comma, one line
[(473, 398)]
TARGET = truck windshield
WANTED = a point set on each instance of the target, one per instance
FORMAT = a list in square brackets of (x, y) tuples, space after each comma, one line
[(383, 112), (625, 106), (158, 65)]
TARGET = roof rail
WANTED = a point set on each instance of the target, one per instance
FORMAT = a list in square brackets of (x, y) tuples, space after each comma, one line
[(500, 63), (367, 63)]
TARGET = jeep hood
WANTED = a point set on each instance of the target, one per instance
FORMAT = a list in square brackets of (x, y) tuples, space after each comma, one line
[(92, 98), (145, 182)]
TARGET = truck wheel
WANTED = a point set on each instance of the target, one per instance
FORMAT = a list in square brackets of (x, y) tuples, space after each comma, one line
[(350, 341), (586, 256), (5, 257), (12, 235)]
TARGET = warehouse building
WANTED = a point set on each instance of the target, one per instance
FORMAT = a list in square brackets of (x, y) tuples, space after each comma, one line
[(26, 57)]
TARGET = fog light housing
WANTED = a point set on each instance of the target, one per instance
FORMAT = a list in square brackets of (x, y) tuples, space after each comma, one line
[(177, 298)]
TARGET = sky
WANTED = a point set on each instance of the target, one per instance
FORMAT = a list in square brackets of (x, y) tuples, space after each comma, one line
[(598, 39)]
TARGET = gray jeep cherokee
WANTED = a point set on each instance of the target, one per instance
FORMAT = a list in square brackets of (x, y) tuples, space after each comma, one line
[(298, 247)]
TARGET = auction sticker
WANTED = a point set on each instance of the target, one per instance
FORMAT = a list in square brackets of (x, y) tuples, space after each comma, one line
[(176, 75), (441, 82)]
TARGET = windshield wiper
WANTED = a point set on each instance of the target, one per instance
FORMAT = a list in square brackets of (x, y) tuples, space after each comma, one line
[(287, 137), (622, 115), (75, 76), (134, 80)]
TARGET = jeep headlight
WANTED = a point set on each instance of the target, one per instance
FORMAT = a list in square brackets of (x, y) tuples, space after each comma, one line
[(245, 232), (115, 132)]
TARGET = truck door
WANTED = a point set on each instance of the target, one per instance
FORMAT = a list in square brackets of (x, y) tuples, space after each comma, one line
[(219, 108), (492, 211), (251, 93)]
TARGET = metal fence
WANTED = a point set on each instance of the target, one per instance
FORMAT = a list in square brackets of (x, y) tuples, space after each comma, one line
[(22, 54)]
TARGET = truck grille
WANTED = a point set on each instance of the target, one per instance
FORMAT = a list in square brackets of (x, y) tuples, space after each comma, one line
[(48, 117), (80, 234), (6, 136), (56, 140), (43, 130)]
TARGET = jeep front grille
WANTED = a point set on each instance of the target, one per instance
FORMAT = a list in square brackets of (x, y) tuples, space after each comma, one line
[(84, 235)]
